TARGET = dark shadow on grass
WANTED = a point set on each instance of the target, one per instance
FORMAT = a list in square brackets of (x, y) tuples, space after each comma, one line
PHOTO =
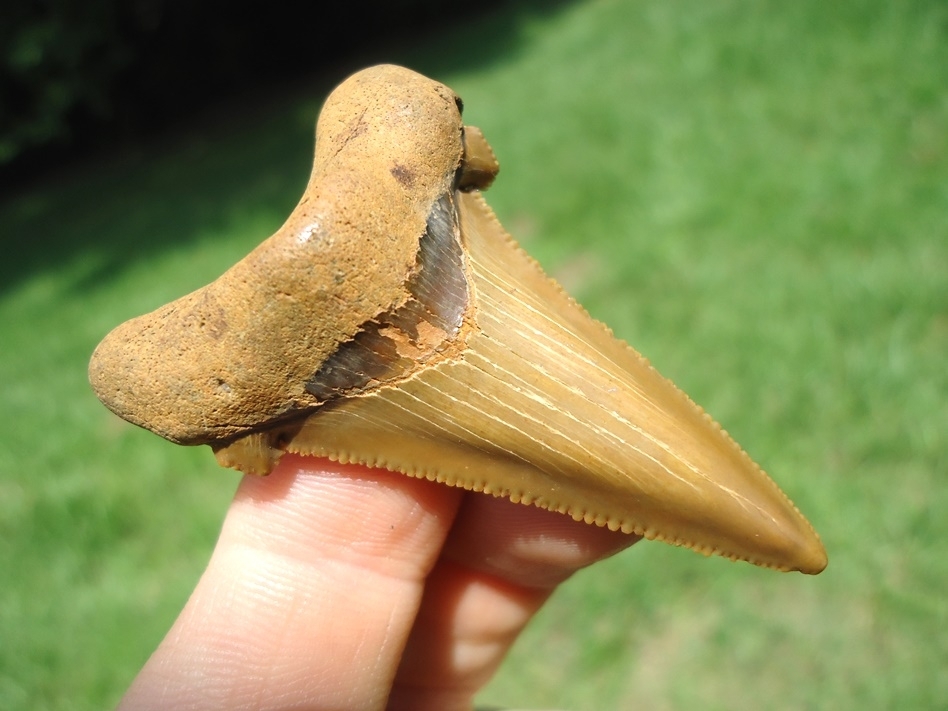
[(251, 154)]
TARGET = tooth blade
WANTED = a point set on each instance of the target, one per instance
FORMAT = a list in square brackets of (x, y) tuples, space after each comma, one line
[(545, 406)]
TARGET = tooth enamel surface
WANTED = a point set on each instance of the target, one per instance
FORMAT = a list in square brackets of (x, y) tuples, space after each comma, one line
[(393, 322), (544, 402)]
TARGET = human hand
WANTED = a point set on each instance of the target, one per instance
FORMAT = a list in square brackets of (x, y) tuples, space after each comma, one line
[(343, 587)]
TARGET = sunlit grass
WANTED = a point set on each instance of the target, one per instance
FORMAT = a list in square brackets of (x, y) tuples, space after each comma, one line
[(753, 194)]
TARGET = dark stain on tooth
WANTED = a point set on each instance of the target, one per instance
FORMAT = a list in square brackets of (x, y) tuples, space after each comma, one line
[(403, 175)]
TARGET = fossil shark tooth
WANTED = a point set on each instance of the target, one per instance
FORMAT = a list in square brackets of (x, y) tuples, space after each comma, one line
[(391, 321)]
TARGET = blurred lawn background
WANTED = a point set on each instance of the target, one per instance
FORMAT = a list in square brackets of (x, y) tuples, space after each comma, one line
[(753, 194)]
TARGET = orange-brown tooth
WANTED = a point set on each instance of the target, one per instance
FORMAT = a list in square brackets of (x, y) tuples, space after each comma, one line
[(392, 321)]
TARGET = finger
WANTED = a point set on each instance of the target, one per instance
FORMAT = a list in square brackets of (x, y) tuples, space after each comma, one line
[(500, 563), (309, 596)]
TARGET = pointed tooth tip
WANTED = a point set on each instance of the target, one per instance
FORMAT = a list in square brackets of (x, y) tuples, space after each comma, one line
[(810, 557), (790, 549), (799, 547)]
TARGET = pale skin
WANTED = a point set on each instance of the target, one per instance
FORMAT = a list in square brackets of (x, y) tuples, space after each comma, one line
[(342, 587)]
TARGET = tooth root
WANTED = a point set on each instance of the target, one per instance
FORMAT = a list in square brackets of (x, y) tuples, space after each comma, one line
[(545, 406)]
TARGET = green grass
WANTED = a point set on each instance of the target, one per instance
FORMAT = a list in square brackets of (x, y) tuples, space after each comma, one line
[(755, 195)]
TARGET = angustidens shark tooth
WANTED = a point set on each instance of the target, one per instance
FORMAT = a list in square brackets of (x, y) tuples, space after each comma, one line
[(391, 321)]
